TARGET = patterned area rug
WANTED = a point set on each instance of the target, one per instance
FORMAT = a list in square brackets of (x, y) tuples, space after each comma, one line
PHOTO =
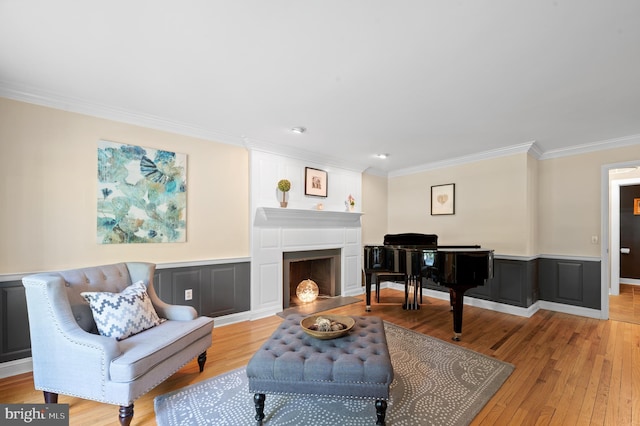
[(436, 383)]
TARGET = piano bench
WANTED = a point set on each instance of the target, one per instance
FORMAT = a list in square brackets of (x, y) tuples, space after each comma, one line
[(387, 274), (357, 365)]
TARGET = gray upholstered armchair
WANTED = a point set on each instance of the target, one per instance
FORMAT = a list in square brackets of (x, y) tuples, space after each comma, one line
[(73, 356)]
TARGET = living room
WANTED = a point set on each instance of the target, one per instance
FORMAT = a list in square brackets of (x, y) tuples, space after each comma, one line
[(521, 206), (544, 212)]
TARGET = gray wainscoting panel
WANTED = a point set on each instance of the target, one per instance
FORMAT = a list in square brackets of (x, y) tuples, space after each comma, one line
[(225, 294), (570, 275), (572, 282), (228, 299), (514, 283), (15, 340), (183, 279), (218, 289)]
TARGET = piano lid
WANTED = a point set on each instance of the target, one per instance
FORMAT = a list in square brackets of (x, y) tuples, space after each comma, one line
[(411, 240)]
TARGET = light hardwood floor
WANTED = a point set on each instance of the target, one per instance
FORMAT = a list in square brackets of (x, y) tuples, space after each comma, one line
[(626, 306), (570, 370)]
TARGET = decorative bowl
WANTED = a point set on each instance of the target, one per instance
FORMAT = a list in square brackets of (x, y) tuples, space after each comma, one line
[(347, 321)]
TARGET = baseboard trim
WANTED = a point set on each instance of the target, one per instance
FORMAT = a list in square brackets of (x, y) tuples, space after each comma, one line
[(231, 319), (509, 309), (486, 304), (13, 368), (571, 309)]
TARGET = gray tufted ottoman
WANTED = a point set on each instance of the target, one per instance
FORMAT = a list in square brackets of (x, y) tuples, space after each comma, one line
[(292, 362)]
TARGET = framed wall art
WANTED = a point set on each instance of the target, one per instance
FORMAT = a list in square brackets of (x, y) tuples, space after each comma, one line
[(443, 199), (315, 182), (636, 206), (142, 195)]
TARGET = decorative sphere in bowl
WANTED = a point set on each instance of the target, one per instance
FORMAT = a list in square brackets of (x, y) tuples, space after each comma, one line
[(327, 326)]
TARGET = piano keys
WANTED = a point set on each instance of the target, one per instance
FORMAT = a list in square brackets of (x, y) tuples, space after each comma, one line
[(417, 257)]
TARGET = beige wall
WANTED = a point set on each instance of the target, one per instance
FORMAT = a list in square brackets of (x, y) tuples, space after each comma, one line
[(492, 204), (532, 205), (48, 194), (516, 205), (374, 207), (569, 192)]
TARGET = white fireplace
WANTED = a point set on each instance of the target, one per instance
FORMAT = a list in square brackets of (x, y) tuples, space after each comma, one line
[(283, 230), (322, 267)]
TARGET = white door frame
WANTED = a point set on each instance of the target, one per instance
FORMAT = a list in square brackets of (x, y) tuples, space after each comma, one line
[(615, 231), (610, 240)]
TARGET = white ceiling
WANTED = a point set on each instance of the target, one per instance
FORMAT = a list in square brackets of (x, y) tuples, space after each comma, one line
[(425, 81)]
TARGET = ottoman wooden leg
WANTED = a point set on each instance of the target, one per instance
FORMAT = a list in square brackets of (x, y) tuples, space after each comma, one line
[(258, 401), (381, 412)]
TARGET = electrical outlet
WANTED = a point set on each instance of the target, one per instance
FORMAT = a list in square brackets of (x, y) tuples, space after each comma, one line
[(188, 294), (594, 239)]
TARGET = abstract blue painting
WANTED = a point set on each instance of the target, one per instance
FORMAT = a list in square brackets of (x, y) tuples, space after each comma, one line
[(142, 195)]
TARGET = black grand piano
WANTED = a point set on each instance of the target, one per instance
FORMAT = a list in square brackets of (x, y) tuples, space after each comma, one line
[(413, 257)]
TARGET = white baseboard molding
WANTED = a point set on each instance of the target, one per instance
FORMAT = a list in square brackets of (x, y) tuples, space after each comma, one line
[(13, 368), (487, 304), (509, 309), (231, 319), (355, 292), (570, 309), (263, 313)]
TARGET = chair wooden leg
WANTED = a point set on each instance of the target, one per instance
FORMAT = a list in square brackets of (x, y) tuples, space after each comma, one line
[(258, 401), (381, 411), (126, 415), (202, 358), (50, 397)]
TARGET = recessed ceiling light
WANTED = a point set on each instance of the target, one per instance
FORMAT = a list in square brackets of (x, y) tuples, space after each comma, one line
[(299, 130), (383, 156)]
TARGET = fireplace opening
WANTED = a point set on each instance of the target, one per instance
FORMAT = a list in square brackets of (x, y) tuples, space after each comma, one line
[(320, 266)]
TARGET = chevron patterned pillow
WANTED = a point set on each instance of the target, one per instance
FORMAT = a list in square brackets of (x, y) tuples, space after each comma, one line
[(120, 315)]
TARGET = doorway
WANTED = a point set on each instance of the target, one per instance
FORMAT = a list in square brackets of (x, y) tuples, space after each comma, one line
[(616, 304)]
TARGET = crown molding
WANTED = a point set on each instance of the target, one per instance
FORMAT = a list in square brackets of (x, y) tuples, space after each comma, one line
[(531, 148), (376, 172), (535, 151), (528, 147), (37, 96), (592, 147), (300, 154), (66, 103)]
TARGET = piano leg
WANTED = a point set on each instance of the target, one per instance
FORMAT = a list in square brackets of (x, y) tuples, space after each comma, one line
[(406, 294), (456, 295), (367, 289), (412, 282)]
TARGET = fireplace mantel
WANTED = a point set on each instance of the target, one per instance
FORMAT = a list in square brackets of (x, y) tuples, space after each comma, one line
[(298, 218), (277, 231)]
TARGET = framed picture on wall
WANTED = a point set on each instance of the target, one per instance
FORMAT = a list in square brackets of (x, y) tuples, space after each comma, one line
[(636, 206), (443, 200), (315, 182)]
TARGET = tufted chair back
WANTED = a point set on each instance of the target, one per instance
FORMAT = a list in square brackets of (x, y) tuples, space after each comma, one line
[(110, 278)]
